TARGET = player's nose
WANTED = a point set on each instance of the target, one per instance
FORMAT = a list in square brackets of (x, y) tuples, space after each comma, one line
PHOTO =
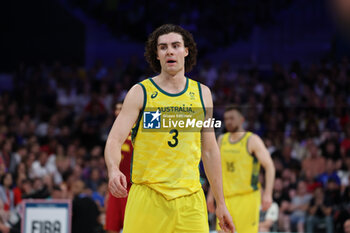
[(170, 50)]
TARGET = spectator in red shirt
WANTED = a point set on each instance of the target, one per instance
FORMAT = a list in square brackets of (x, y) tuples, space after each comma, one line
[(6, 192)]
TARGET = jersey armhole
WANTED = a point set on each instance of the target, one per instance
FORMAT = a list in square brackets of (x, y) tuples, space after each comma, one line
[(201, 96), (136, 127), (221, 136), (251, 154)]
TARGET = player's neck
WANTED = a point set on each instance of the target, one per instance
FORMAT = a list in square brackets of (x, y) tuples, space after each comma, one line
[(171, 83), (234, 136)]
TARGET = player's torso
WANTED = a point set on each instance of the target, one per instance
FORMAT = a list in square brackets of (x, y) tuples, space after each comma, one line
[(166, 154), (240, 168)]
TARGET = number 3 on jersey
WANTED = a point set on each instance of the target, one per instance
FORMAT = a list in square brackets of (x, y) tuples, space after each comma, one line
[(230, 166), (175, 141)]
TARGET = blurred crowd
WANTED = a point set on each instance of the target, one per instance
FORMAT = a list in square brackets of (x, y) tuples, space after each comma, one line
[(134, 20), (55, 120)]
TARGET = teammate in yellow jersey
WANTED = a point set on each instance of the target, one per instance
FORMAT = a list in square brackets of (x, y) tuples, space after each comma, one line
[(241, 155), (166, 195)]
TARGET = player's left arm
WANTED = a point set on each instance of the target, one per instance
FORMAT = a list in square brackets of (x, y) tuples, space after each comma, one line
[(210, 196), (212, 165), (257, 147)]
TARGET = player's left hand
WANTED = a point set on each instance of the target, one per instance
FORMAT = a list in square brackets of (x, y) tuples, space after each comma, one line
[(225, 219), (266, 201)]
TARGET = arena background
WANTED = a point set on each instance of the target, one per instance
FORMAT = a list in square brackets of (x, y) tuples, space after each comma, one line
[(64, 63)]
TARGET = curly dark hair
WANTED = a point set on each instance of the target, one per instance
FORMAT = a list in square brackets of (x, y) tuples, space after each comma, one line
[(151, 46)]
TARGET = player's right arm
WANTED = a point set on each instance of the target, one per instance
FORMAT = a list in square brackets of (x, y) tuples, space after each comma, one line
[(120, 130)]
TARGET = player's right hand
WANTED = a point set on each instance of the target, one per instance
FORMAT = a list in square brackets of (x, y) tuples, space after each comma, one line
[(117, 184)]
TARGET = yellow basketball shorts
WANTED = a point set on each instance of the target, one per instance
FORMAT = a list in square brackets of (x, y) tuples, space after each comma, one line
[(147, 211), (244, 210)]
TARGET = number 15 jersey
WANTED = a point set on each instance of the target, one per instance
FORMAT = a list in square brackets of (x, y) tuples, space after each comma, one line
[(240, 169), (167, 148)]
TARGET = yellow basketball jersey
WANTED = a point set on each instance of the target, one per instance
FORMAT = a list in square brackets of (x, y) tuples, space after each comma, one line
[(240, 168), (166, 156)]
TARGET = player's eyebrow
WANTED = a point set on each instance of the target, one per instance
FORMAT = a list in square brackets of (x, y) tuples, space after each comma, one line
[(173, 43)]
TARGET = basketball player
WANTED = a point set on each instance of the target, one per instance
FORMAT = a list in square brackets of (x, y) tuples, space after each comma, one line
[(241, 155), (115, 207), (166, 195)]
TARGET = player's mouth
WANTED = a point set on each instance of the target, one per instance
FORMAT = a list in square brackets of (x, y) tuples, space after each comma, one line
[(170, 61)]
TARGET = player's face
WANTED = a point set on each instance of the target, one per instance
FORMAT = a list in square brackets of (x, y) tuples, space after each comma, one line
[(233, 120), (118, 108), (171, 53)]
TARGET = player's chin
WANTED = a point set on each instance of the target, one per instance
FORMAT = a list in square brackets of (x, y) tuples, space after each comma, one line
[(231, 128), (172, 70)]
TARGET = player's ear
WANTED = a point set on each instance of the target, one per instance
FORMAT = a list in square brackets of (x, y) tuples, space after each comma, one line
[(186, 51)]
